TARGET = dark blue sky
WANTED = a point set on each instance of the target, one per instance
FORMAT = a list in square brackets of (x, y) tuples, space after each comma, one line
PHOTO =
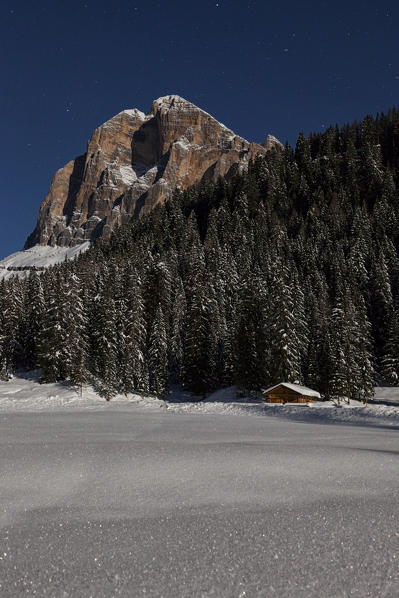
[(257, 66)]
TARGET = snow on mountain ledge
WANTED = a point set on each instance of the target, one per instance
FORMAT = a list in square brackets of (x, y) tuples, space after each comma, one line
[(40, 257)]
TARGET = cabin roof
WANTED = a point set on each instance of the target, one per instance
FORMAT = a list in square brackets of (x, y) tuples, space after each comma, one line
[(302, 390)]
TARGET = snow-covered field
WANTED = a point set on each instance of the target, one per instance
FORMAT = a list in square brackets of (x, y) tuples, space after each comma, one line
[(142, 497), (130, 499), (387, 395), (23, 393)]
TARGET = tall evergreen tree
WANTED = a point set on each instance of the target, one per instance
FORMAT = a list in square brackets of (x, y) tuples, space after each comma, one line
[(287, 326), (77, 346), (390, 357), (134, 363), (251, 348), (34, 307), (196, 339), (105, 339), (158, 354)]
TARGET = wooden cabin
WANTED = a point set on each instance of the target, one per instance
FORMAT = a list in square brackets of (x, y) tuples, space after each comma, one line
[(285, 392)]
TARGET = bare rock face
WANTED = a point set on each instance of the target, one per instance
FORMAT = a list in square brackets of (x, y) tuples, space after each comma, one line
[(133, 162)]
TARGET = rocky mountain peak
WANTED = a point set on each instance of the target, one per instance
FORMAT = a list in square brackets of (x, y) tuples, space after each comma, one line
[(133, 162)]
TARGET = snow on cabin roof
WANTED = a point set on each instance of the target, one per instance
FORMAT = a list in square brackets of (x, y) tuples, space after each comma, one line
[(303, 390)]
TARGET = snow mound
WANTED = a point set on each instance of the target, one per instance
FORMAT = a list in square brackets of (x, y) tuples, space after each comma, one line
[(24, 393), (39, 257), (225, 402)]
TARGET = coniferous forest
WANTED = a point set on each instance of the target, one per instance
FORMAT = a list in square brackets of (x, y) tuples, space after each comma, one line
[(288, 272)]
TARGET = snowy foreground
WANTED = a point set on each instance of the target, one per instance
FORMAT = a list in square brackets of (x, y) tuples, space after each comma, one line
[(129, 499)]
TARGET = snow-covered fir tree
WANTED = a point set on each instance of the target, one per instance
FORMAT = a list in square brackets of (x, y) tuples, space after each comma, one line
[(158, 354)]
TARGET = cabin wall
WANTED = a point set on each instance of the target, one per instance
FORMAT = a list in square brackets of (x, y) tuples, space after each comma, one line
[(281, 394)]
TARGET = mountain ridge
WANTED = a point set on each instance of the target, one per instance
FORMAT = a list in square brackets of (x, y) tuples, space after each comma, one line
[(135, 161)]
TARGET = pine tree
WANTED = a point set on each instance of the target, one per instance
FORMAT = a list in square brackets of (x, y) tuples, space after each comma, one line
[(382, 299), (317, 308), (34, 310), (352, 373), (362, 375), (133, 359), (196, 339), (104, 338), (390, 357), (52, 339), (179, 308), (76, 349), (5, 331), (158, 355), (339, 383), (287, 326), (251, 350)]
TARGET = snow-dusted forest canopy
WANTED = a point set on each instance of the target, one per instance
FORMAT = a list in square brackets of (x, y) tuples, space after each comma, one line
[(287, 272)]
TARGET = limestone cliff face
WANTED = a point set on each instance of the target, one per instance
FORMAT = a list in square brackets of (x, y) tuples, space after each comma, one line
[(133, 162)]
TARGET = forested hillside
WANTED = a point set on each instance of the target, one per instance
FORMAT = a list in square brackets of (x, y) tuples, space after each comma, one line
[(287, 272)]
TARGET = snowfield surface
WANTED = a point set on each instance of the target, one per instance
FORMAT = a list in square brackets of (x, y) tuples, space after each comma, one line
[(138, 497), (387, 395), (40, 256)]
